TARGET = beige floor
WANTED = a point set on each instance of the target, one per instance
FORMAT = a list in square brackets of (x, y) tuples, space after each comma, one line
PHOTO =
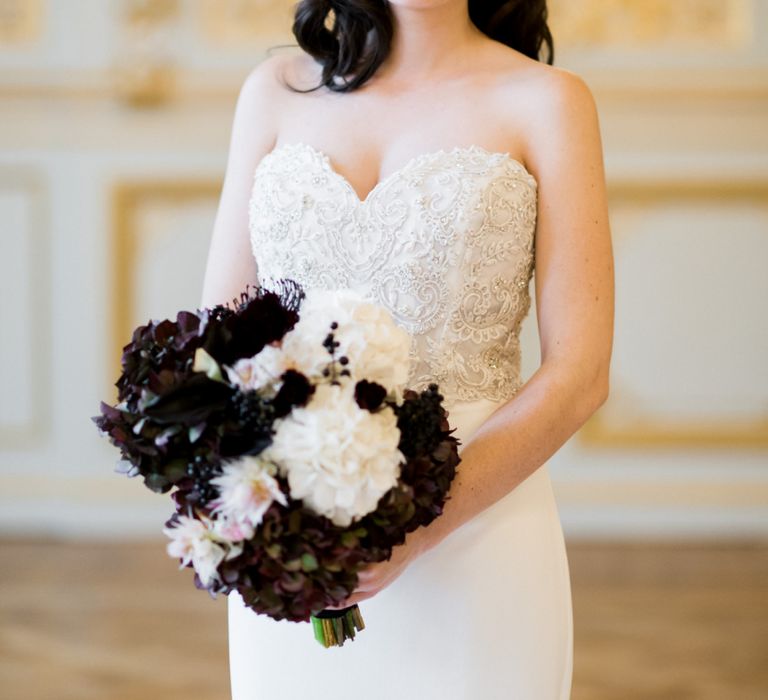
[(85, 621)]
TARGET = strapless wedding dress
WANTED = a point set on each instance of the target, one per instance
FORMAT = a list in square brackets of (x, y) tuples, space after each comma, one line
[(446, 243)]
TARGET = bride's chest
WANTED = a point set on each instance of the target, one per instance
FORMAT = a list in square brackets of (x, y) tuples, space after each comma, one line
[(446, 222)]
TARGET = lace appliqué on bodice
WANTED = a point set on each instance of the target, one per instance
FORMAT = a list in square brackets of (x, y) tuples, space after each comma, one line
[(446, 244)]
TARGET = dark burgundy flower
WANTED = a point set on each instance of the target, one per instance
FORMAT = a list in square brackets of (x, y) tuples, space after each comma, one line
[(369, 395), (189, 401), (262, 318), (294, 391)]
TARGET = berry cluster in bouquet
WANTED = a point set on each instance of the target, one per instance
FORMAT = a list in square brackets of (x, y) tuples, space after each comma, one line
[(290, 445)]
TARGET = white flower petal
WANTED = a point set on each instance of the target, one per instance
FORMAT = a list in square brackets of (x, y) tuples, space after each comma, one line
[(247, 489), (196, 541)]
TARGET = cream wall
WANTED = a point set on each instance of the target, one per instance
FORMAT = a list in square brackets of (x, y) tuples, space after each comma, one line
[(114, 126)]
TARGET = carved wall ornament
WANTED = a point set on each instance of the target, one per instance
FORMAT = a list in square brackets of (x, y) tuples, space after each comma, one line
[(644, 23), (21, 21)]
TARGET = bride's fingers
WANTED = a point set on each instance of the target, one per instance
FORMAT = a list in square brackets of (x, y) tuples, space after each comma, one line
[(367, 586), (364, 577), (356, 597), (368, 576)]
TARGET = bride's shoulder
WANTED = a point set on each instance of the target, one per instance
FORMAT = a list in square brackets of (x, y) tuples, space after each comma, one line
[(544, 90), (554, 112), (541, 100), (271, 75)]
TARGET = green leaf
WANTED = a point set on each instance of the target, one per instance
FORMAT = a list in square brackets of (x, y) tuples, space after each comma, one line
[(308, 562), (175, 469), (349, 539), (205, 363), (157, 483)]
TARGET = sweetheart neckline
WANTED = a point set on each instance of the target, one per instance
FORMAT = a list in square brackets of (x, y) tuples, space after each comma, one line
[(412, 162)]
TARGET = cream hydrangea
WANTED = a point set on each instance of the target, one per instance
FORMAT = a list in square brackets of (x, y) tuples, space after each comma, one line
[(377, 348), (197, 541), (339, 459), (247, 488)]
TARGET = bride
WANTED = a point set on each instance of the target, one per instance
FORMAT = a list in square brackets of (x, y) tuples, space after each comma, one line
[(421, 152)]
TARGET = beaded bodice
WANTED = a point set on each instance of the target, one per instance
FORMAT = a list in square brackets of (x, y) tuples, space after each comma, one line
[(445, 243)]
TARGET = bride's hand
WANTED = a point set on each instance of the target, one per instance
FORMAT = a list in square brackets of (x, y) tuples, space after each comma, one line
[(379, 575)]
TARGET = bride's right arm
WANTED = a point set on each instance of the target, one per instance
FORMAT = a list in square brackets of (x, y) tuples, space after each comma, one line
[(230, 264)]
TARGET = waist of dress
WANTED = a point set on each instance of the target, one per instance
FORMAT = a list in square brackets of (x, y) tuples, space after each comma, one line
[(467, 416), (535, 492)]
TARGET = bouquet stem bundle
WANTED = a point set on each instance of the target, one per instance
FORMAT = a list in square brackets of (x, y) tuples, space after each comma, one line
[(334, 627)]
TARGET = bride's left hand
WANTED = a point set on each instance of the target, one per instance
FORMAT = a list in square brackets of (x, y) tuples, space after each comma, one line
[(378, 575)]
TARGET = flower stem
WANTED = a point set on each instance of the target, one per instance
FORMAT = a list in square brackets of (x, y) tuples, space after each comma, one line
[(334, 627)]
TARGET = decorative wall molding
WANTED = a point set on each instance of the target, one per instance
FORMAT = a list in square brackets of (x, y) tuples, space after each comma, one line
[(674, 84), (128, 198), (33, 299), (21, 22), (704, 24), (112, 506), (143, 13), (635, 427), (244, 22), (144, 67)]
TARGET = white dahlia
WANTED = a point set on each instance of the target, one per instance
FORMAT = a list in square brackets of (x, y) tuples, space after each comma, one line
[(196, 541), (262, 370), (247, 488), (340, 459)]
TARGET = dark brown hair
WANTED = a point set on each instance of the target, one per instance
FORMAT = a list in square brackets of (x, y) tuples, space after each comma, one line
[(360, 35)]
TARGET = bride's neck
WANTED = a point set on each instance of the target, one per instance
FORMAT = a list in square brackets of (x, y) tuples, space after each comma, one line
[(429, 42)]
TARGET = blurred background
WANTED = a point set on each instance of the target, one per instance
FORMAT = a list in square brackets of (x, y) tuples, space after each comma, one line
[(115, 118)]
